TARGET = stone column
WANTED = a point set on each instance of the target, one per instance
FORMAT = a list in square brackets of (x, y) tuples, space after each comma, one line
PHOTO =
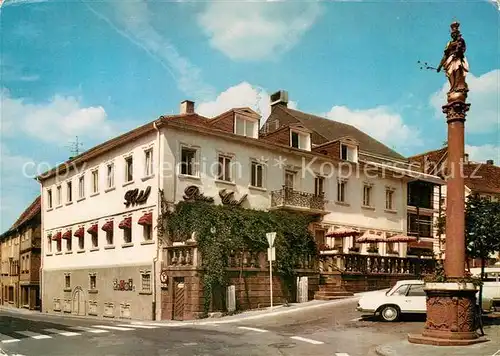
[(455, 205)]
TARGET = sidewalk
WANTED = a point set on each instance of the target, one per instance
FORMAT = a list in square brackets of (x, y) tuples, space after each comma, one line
[(255, 314), (404, 348), (246, 315)]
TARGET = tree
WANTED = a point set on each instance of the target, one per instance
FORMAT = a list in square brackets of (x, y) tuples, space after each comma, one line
[(482, 224)]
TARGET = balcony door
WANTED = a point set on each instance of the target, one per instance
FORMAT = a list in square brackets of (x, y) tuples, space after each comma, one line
[(289, 179)]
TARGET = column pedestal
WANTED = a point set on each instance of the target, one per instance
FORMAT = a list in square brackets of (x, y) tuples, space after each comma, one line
[(450, 315)]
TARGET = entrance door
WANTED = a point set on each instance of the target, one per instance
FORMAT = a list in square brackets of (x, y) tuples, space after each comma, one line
[(79, 301), (178, 307)]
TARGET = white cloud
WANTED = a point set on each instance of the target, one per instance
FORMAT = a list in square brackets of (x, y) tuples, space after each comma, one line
[(256, 30), (57, 121), (483, 153), (241, 95), (484, 96), (380, 123), (133, 22)]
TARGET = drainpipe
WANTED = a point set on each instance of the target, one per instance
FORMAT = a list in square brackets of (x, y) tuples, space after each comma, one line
[(158, 211)]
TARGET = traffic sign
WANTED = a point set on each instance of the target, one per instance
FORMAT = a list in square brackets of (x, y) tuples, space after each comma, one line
[(271, 254), (270, 238)]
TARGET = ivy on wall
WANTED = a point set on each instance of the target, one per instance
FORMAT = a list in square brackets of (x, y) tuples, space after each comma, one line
[(219, 230)]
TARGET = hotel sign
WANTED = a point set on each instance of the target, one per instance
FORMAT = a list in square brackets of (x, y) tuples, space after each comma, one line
[(135, 196)]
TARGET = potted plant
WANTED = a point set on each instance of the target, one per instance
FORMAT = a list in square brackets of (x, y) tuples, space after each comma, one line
[(372, 249), (354, 249)]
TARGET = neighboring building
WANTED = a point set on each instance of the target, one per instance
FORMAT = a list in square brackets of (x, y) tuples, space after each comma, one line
[(102, 253), (482, 179), (20, 260)]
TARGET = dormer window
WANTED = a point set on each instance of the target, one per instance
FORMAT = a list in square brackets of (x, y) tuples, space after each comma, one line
[(244, 126), (300, 140), (348, 153)]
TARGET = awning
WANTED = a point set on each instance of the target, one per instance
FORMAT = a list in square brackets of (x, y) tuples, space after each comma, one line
[(342, 232), (146, 219), (67, 235), (57, 236), (422, 244), (108, 226), (401, 238), (80, 232), (125, 223), (93, 229), (369, 237)]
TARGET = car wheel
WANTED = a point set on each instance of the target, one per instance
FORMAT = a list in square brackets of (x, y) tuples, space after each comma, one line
[(390, 313)]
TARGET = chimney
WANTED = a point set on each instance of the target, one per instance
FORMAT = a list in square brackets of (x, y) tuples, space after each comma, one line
[(466, 158), (490, 161), (279, 98), (187, 107)]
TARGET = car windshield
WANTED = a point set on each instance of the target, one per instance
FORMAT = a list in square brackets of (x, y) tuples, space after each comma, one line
[(401, 290)]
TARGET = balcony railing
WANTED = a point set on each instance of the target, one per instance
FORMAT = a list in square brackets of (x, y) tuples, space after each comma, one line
[(289, 198), (348, 263)]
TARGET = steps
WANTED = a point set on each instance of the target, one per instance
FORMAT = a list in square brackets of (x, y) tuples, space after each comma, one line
[(331, 292)]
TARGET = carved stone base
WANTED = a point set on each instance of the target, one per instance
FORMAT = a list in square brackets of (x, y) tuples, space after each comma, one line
[(451, 311)]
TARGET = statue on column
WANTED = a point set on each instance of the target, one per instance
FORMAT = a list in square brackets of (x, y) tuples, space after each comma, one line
[(455, 65)]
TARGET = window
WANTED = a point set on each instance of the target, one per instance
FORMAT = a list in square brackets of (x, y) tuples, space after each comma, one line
[(389, 195), (67, 281), (129, 169), (319, 237), (127, 235), (295, 139), (224, 172), (93, 282), (246, 127), (69, 192), (81, 242), (95, 181), (341, 191), (257, 175), (318, 186), (188, 161), (367, 195), (110, 175), (148, 162), (146, 282), (95, 240), (419, 225), (49, 199), (289, 179), (49, 244), (109, 237), (58, 245), (416, 290), (343, 152), (147, 232), (69, 244), (401, 291), (81, 187), (348, 153), (59, 195), (300, 140)]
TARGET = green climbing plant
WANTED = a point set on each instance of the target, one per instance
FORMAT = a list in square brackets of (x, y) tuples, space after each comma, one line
[(221, 230)]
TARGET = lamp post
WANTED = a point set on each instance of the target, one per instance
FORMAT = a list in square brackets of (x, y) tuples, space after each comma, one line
[(451, 305)]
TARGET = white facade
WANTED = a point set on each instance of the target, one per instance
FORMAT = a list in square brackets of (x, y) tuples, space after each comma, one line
[(172, 157)]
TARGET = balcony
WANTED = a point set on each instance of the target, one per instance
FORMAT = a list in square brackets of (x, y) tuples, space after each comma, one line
[(290, 199)]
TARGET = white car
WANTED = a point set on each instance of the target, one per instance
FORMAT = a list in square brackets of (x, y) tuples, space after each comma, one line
[(405, 297), (491, 287)]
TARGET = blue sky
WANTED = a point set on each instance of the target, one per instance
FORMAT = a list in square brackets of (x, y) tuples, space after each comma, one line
[(95, 69)]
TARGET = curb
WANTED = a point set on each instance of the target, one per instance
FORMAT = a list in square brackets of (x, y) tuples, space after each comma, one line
[(244, 317)]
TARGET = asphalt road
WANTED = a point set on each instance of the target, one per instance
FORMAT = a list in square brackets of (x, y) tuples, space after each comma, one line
[(333, 330)]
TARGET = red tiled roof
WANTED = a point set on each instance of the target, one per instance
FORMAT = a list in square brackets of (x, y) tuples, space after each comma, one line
[(27, 215), (331, 130), (482, 177), (429, 160)]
